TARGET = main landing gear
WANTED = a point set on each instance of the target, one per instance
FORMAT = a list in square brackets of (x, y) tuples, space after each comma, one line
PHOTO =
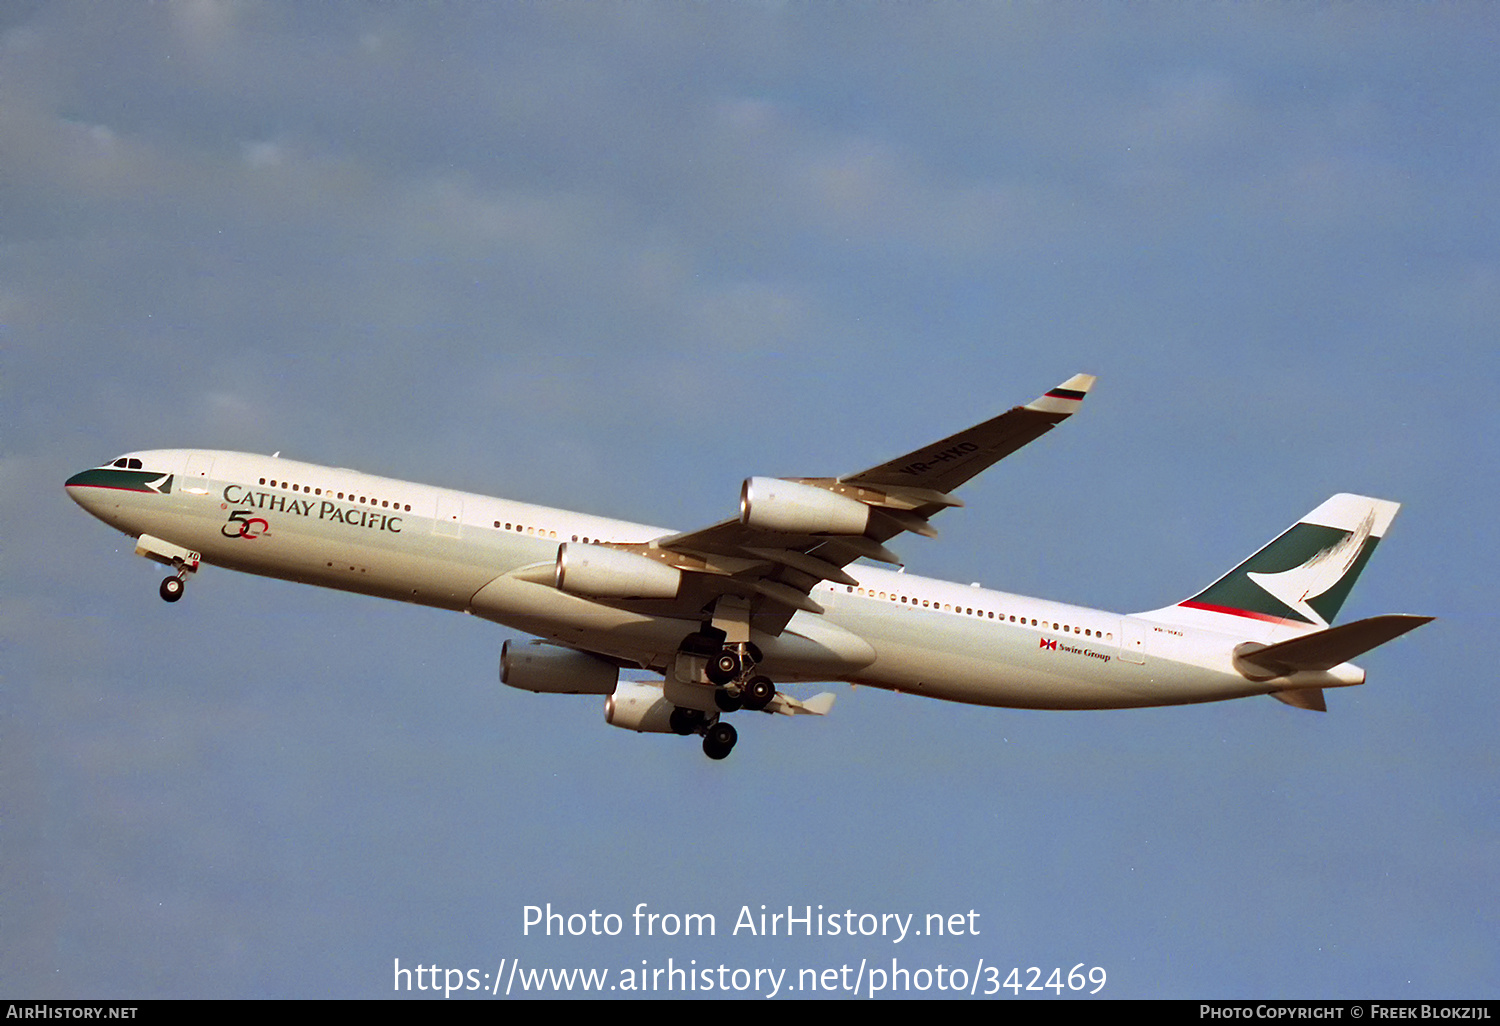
[(718, 737), (718, 740), (730, 668)]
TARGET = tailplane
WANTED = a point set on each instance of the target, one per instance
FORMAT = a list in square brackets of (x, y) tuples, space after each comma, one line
[(1320, 651), (1323, 650)]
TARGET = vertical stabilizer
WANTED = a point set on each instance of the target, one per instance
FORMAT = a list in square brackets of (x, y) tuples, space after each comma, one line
[(1301, 578)]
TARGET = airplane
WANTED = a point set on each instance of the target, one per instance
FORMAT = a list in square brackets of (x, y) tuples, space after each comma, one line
[(786, 592)]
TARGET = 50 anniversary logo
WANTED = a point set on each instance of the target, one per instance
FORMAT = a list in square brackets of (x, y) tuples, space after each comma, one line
[(251, 527)]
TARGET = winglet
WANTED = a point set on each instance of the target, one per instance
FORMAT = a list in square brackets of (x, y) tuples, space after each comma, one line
[(1064, 398)]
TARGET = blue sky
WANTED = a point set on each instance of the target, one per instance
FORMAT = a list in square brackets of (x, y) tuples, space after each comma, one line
[(617, 257)]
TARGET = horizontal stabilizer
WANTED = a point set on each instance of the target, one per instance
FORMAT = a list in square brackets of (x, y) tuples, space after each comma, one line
[(1324, 650)]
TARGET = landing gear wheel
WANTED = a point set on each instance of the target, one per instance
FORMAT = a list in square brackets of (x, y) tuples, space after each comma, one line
[(757, 693), (727, 701), (719, 740), (172, 588), (685, 721), (724, 668)]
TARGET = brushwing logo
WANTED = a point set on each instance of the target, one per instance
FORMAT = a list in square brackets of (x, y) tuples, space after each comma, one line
[(1322, 570)]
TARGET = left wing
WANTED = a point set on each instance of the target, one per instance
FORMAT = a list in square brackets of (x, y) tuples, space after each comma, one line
[(795, 532)]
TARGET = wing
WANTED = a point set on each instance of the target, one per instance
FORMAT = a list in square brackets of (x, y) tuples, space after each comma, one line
[(793, 533)]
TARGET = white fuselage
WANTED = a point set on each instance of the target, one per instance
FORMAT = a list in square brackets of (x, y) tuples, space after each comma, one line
[(356, 532)]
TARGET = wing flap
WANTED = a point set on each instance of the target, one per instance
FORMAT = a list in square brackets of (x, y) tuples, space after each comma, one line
[(786, 705)]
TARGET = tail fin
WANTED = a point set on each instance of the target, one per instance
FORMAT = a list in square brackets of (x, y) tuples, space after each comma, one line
[(1301, 578)]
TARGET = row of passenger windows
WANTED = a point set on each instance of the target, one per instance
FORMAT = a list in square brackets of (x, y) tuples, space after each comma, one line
[(542, 532), (349, 497), (984, 614)]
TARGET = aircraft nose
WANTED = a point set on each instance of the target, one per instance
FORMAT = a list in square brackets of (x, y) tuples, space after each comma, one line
[(82, 488)]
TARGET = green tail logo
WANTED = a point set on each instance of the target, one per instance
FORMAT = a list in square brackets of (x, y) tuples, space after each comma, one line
[(1305, 574)]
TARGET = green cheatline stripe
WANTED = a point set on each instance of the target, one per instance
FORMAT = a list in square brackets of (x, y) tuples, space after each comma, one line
[(124, 480)]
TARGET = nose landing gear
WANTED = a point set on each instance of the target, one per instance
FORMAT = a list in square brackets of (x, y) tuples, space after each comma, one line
[(184, 561)]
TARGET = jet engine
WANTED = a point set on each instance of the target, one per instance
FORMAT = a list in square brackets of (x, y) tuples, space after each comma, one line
[(552, 670), (597, 571), (640, 707), (772, 504)]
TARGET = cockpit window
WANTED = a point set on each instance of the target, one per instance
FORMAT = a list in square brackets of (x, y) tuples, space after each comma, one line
[(125, 464)]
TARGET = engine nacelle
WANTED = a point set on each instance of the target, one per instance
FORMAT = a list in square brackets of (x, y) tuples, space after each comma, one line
[(597, 571), (551, 670), (639, 706), (775, 505)]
